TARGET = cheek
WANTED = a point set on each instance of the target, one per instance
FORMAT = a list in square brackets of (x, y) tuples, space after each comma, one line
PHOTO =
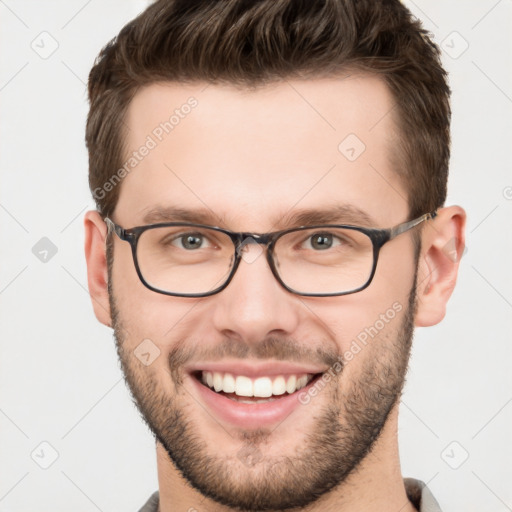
[(394, 277), (364, 321), (124, 275), (358, 320), (143, 313)]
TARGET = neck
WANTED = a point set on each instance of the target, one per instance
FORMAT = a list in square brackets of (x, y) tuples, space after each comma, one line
[(375, 486)]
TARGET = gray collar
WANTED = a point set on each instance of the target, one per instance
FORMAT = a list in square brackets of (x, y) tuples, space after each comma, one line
[(417, 492), (420, 496)]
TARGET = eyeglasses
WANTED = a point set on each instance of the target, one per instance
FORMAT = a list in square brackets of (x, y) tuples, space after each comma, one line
[(195, 260)]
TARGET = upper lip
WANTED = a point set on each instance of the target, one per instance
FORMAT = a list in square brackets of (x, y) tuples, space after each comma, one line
[(256, 369)]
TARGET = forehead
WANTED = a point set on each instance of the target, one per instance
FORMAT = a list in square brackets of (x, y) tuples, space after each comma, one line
[(251, 156)]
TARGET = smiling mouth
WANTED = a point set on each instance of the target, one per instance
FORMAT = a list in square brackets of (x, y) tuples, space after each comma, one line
[(244, 389)]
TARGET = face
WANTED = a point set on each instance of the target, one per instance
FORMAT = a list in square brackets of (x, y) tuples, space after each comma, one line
[(249, 160)]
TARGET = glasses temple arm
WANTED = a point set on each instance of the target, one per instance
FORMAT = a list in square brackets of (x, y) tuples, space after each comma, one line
[(112, 227), (402, 228)]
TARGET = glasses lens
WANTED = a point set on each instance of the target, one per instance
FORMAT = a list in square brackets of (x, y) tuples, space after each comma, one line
[(324, 260), (185, 259)]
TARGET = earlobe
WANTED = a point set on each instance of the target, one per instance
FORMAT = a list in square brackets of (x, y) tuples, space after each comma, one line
[(443, 244), (97, 274)]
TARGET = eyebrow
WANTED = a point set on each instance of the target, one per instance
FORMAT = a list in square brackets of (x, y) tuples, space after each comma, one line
[(335, 214)]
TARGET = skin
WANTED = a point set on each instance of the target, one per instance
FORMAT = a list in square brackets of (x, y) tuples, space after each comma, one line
[(251, 157)]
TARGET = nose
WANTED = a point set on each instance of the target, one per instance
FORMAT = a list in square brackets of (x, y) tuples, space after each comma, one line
[(254, 305)]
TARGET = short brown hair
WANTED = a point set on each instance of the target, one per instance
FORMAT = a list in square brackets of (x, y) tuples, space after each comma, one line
[(251, 43)]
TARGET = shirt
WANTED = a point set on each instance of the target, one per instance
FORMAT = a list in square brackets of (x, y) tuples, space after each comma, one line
[(417, 492)]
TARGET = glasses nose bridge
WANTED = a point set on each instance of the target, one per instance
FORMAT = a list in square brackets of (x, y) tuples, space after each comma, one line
[(247, 238), (244, 239)]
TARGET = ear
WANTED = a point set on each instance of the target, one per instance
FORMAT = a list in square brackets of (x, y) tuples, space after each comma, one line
[(443, 245), (97, 275)]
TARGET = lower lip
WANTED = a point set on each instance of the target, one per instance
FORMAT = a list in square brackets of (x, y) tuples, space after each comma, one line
[(250, 415)]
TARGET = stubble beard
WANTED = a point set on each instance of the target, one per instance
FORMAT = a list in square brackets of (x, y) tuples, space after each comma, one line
[(343, 431)]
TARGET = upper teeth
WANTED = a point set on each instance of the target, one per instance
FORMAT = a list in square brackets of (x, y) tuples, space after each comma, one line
[(261, 387)]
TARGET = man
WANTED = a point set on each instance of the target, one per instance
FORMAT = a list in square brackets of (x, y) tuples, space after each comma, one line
[(270, 179)]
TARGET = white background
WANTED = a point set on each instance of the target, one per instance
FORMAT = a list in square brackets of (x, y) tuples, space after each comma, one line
[(60, 381)]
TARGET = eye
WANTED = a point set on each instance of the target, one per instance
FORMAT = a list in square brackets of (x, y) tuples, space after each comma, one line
[(189, 241), (323, 241)]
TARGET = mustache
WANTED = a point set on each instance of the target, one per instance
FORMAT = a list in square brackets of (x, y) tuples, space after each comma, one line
[(272, 347)]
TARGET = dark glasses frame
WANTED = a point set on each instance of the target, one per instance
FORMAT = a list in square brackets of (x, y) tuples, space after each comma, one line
[(378, 237)]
